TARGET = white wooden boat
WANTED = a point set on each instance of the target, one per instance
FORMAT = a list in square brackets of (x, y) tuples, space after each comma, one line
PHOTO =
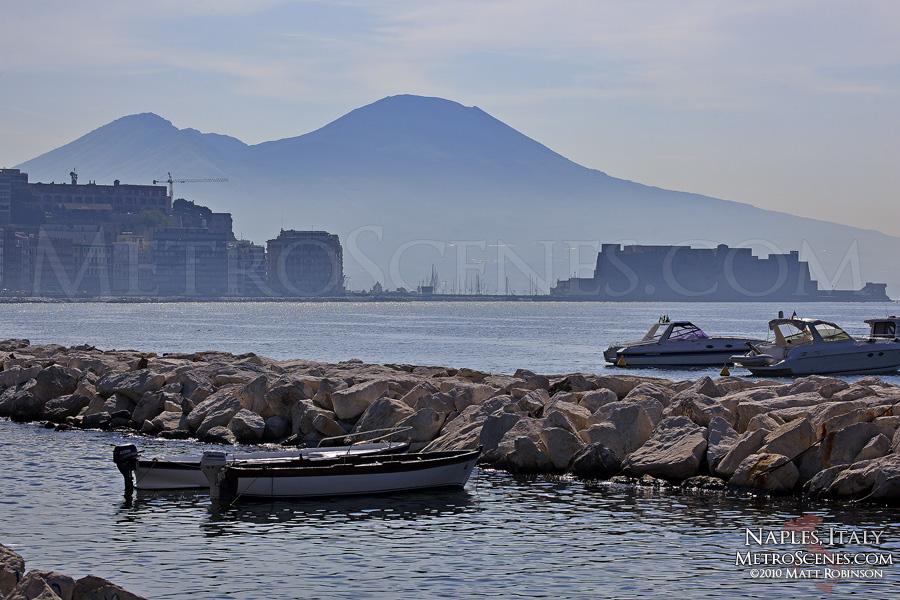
[(340, 476), (814, 346), (676, 344)]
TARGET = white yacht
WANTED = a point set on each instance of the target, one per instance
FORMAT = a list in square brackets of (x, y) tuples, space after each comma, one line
[(814, 346), (676, 344)]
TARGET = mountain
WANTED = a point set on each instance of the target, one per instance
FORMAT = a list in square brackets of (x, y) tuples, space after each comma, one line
[(409, 182)]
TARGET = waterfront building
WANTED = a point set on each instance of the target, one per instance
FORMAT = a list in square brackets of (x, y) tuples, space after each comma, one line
[(685, 274), (305, 263), (10, 179), (247, 269), (132, 265), (116, 198), (190, 261)]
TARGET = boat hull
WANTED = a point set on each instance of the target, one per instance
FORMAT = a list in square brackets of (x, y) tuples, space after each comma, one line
[(184, 472), (872, 360), (691, 353), (353, 476)]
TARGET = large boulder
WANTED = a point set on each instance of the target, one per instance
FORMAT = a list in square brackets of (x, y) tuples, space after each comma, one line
[(223, 400), (149, 406), (464, 432), (561, 446), (747, 410), (54, 381), (524, 428), (771, 472), (12, 569), (20, 403), (790, 439), (652, 406), (37, 583), (13, 376), (353, 401), (494, 428), (59, 409), (277, 400), (674, 451), (131, 384), (877, 480), (594, 399), (525, 456), (424, 388), (195, 386), (748, 443), (97, 588), (383, 413), (650, 390), (595, 461), (170, 423), (626, 430), (697, 407), (721, 439), (425, 425), (253, 397), (248, 427)]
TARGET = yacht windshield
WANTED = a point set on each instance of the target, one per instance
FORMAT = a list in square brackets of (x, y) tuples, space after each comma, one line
[(687, 332), (832, 333), (793, 334)]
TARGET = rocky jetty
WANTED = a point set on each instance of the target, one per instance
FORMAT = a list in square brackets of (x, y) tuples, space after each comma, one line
[(820, 436), (36, 584)]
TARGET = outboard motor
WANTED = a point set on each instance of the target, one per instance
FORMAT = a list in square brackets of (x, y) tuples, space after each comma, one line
[(125, 458), (211, 463)]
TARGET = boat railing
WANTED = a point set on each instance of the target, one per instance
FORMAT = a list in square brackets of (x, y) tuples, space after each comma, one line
[(390, 433)]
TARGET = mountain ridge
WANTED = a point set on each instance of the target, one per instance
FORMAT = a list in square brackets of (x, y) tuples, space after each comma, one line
[(416, 168)]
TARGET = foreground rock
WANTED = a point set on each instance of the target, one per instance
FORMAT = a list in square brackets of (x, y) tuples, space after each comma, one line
[(822, 435), (17, 584)]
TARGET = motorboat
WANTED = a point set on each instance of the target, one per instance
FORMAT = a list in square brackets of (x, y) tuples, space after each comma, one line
[(813, 346), (339, 476), (676, 344)]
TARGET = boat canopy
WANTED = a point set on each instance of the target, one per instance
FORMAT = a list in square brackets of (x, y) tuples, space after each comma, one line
[(796, 331), (674, 331), (886, 327)]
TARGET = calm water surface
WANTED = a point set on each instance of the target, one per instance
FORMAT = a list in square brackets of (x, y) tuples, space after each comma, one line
[(62, 507)]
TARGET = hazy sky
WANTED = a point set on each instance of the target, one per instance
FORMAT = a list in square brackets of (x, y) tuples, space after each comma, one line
[(787, 105)]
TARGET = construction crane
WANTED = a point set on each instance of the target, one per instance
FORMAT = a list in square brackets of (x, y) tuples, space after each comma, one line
[(172, 181)]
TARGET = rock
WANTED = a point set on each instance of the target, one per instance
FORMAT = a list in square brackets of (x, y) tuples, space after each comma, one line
[(281, 398), (253, 397), (59, 409), (494, 429), (721, 439), (439, 402), (424, 388), (747, 410), (54, 381), (13, 344), (20, 404), (223, 402), (168, 422), (327, 426), (561, 446), (97, 588), (674, 451), (575, 382), (426, 424), (16, 375), (771, 472), (703, 482), (353, 401), (40, 584), (217, 435), (383, 413), (877, 480), (229, 374), (276, 428), (533, 402), (625, 431), (789, 439), (578, 416), (464, 432), (652, 406), (526, 457), (467, 395), (247, 426), (765, 422), (100, 420), (649, 390), (843, 446), (131, 384), (12, 569), (748, 443), (703, 386), (595, 461), (149, 406), (195, 386), (878, 446), (697, 407), (594, 399), (327, 387), (303, 417), (524, 427)]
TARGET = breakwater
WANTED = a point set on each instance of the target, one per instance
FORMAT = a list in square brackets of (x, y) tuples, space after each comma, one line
[(37, 584), (819, 436)]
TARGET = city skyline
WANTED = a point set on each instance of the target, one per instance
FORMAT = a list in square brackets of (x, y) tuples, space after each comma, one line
[(787, 107)]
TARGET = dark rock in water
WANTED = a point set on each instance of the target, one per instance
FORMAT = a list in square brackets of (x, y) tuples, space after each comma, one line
[(703, 482), (219, 435), (63, 407), (12, 568), (100, 420), (97, 588), (650, 481), (54, 381), (174, 434), (595, 461)]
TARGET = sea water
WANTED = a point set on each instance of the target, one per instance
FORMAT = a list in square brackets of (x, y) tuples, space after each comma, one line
[(62, 504)]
